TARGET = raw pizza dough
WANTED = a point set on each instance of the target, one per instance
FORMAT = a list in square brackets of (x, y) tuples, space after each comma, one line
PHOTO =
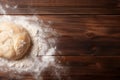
[(14, 41)]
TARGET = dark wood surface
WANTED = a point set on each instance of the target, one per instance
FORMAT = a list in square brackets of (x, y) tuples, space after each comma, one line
[(89, 41)]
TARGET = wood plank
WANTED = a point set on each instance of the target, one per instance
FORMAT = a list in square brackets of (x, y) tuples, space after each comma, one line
[(81, 66), (86, 77), (86, 35), (89, 66), (62, 10), (81, 3), (61, 6)]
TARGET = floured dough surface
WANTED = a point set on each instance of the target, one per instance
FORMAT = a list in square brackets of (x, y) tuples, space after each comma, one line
[(14, 41)]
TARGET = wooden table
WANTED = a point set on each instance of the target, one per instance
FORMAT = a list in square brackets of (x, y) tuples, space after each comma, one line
[(90, 35)]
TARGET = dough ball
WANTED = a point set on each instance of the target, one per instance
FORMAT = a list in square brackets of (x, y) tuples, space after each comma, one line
[(14, 41)]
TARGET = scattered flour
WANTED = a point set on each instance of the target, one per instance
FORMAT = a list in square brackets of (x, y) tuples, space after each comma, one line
[(44, 46)]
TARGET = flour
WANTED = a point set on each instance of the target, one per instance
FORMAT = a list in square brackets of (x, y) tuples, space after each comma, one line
[(44, 46), (2, 11)]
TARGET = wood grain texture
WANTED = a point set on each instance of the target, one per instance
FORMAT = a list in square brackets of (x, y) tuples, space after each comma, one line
[(88, 46), (62, 6), (87, 35), (62, 11), (80, 67), (80, 3)]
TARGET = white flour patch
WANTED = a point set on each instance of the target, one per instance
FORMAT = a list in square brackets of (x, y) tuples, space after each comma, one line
[(44, 46)]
